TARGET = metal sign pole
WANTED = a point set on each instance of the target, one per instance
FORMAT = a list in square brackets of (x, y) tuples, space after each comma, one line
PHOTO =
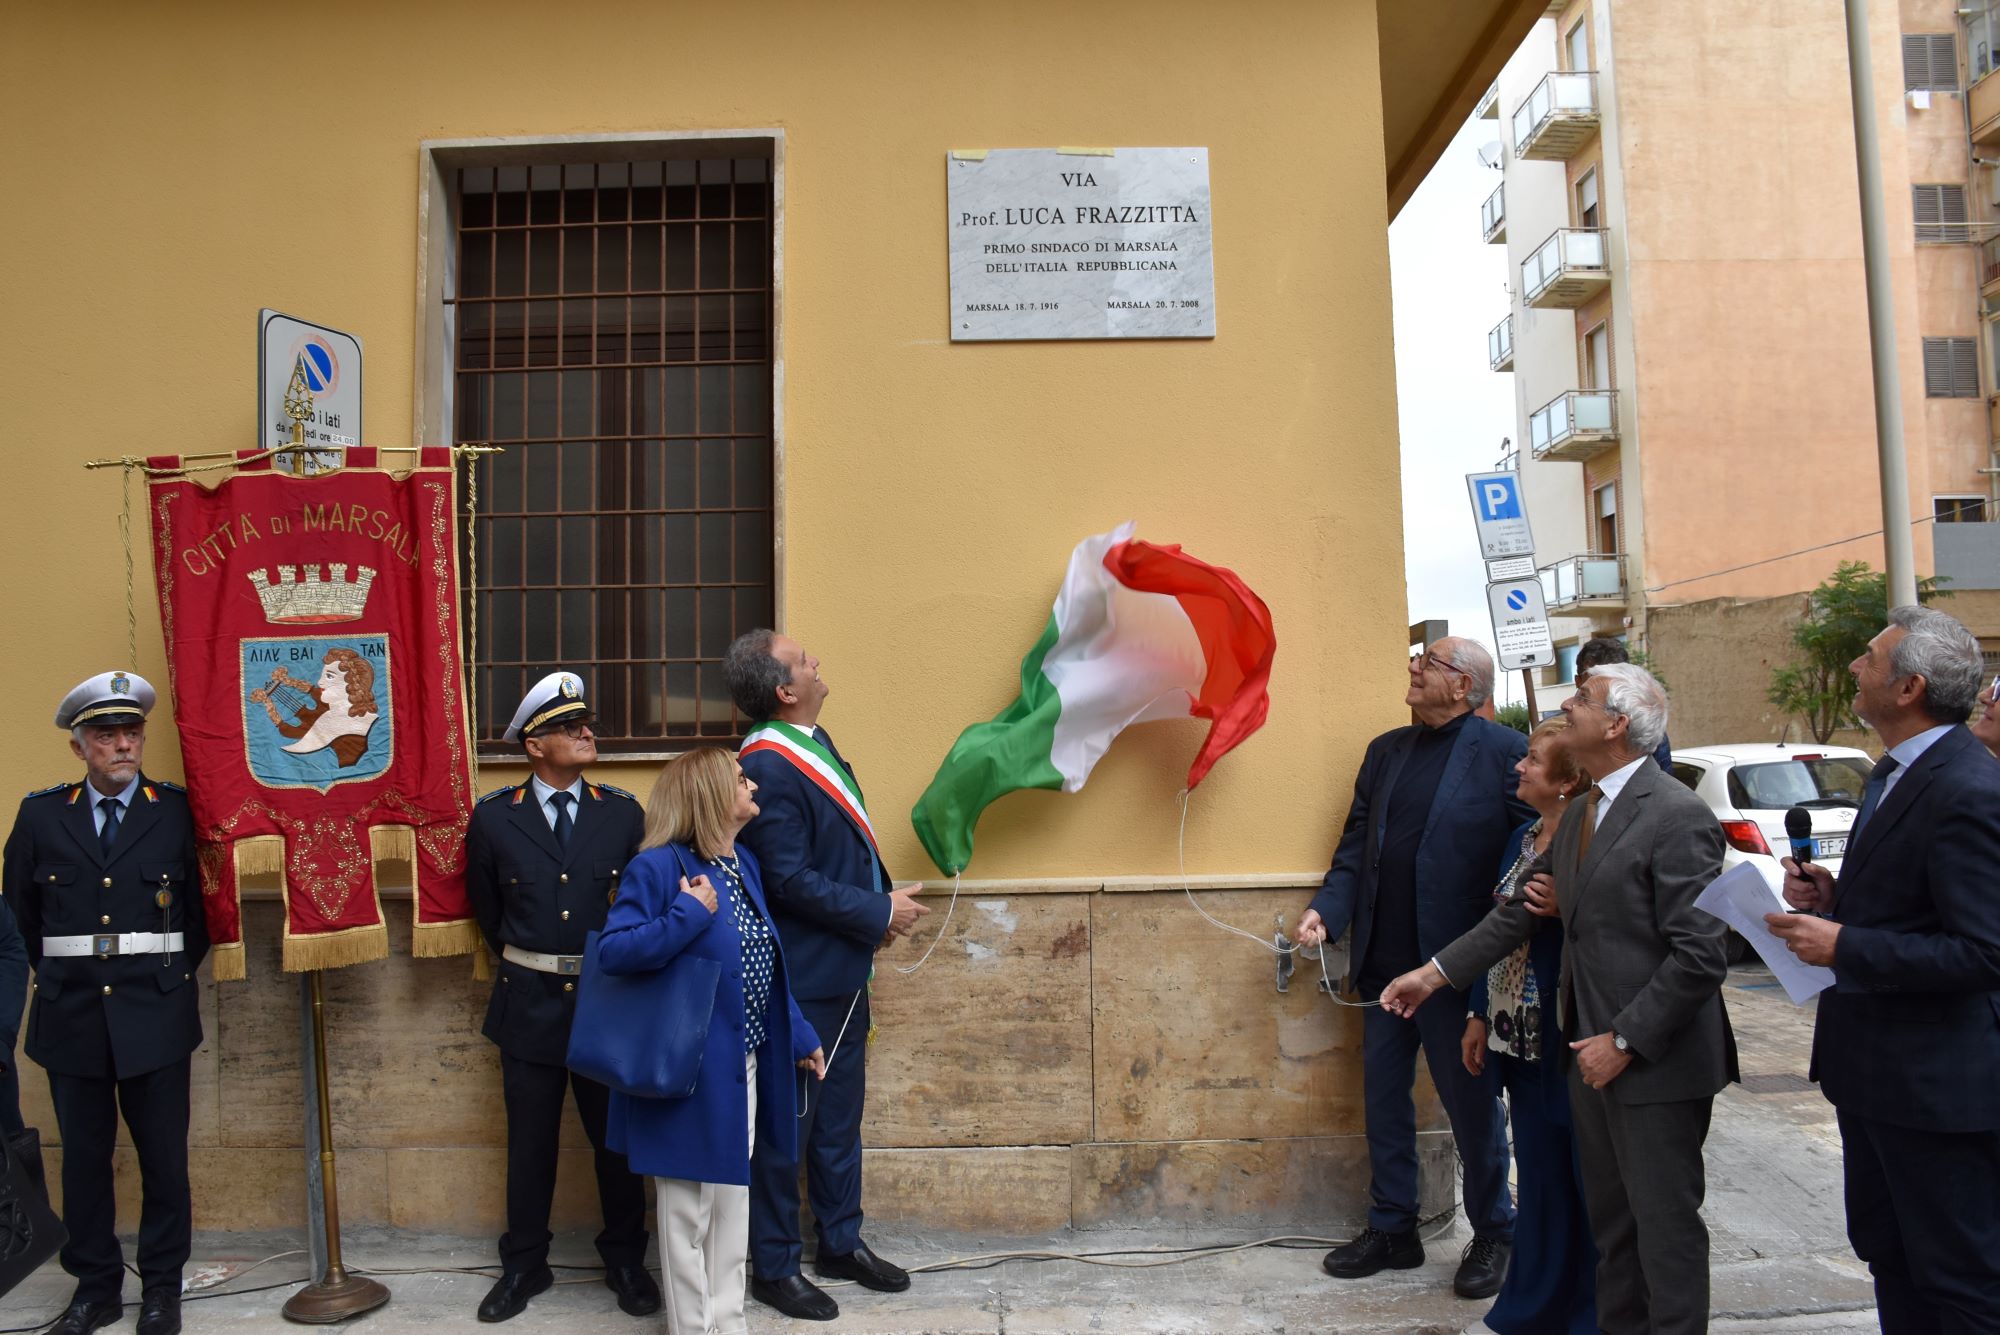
[(1528, 684)]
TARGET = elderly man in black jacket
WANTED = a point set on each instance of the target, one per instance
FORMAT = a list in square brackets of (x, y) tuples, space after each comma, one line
[(1433, 806)]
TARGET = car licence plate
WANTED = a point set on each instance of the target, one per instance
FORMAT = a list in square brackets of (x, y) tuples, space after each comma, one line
[(1833, 846)]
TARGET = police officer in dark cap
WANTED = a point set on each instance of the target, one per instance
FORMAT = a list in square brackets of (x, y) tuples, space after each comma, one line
[(542, 862), (101, 875)]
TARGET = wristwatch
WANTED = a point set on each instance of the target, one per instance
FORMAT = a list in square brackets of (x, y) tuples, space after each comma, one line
[(1618, 1041)]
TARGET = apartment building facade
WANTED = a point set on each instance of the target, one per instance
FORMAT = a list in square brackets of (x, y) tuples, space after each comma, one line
[(1687, 329)]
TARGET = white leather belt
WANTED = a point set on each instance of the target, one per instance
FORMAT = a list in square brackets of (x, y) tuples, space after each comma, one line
[(570, 965), (106, 944)]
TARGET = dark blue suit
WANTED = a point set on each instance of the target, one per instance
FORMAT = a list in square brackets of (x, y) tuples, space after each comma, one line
[(1907, 1041), (828, 896), (115, 1034), (13, 998), (1464, 835)]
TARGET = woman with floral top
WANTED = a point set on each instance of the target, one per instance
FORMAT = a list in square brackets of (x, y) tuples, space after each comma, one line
[(1550, 1285)]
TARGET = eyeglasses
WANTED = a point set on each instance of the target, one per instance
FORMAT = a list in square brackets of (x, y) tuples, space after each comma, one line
[(1583, 701), (1432, 660), (575, 728)]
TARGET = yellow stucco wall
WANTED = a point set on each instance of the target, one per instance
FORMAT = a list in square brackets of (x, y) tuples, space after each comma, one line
[(183, 177), (175, 169)]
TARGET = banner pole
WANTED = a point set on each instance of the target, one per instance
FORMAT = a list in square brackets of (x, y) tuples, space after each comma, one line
[(337, 1295)]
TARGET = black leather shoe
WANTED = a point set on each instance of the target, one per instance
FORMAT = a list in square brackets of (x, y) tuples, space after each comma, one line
[(160, 1312), (1374, 1250), (637, 1294), (796, 1296), (1482, 1267), (865, 1268), (80, 1317), (509, 1298)]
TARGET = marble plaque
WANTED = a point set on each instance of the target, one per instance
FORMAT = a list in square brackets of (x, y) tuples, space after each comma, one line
[(1080, 243)]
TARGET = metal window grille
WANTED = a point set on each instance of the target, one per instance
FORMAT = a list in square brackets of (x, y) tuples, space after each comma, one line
[(1951, 368), (614, 338), (1940, 213), (1930, 62)]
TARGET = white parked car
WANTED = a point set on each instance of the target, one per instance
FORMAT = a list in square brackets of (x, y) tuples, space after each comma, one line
[(1751, 785)]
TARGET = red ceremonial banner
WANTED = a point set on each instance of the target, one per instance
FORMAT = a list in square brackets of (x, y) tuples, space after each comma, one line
[(313, 650)]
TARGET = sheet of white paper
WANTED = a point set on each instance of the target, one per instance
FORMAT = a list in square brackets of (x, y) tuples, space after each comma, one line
[(1741, 898)]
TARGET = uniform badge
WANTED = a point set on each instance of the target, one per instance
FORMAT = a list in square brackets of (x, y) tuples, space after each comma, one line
[(164, 898), (571, 688), (121, 684)]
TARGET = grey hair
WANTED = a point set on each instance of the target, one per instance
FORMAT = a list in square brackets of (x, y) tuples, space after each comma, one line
[(1636, 696), (1471, 658), (1944, 653), (755, 676)]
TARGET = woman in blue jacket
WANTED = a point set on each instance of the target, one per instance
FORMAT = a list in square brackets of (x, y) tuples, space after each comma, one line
[(1551, 1286), (693, 892)]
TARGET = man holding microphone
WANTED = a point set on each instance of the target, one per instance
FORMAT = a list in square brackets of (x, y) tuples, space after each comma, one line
[(1906, 1044)]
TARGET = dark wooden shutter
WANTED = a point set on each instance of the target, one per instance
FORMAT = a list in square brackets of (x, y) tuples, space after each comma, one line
[(1936, 209), (1951, 368), (1930, 62)]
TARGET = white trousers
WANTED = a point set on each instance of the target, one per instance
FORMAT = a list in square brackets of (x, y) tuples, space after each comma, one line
[(704, 1233)]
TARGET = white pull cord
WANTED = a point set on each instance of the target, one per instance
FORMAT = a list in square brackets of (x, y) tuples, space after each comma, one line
[(804, 1087), (1185, 798), (952, 908)]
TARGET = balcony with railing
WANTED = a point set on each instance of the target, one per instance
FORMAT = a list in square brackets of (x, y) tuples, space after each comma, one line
[(1489, 103), (1574, 426), (1558, 118), (1589, 577), (1493, 214), (1989, 267), (1568, 269), (1500, 345)]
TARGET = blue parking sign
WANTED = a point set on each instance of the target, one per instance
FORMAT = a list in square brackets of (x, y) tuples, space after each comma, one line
[(1499, 515)]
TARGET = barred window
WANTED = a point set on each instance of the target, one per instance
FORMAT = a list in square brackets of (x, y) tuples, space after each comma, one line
[(1951, 368), (613, 338)]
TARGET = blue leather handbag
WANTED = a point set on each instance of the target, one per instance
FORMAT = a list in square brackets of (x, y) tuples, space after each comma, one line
[(642, 1034)]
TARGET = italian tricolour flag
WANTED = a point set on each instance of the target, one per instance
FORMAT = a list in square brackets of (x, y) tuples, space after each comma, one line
[(1139, 633)]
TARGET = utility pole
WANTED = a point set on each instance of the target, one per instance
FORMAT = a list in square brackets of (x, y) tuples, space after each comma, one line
[(1899, 553)]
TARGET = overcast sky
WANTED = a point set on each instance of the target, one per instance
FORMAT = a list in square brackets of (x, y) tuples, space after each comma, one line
[(1450, 288)]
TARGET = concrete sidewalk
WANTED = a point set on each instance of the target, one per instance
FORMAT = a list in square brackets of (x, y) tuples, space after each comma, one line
[(1781, 1262)]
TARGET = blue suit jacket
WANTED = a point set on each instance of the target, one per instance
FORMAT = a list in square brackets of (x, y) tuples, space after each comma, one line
[(1910, 1032), (701, 1138), (827, 890), (1470, 819)]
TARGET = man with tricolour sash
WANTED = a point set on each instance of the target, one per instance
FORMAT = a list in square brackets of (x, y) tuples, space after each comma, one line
[(834, 907)]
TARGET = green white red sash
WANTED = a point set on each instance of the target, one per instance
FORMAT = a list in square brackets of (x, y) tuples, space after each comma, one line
[(817, 763)]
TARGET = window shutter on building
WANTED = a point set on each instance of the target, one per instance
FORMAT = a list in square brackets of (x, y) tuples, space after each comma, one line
[(1930, 62), (1951, 368), (1936, 209)]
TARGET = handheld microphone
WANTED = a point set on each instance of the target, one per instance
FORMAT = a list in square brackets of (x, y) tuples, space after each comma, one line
[(1798, 828)]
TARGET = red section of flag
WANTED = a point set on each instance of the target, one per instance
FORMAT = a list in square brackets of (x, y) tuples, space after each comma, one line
[(312, 637), (1236, 637)]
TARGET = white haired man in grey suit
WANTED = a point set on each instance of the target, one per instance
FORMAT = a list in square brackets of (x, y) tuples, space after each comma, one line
[(1640, 998)]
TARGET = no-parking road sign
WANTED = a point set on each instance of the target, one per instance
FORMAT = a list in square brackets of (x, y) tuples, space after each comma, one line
[(1520, 624)]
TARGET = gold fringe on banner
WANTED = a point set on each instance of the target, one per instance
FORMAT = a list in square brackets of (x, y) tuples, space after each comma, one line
[(433, 940), (393, 843), (258, 855), (482, 963), (334, 950), (225, 962)]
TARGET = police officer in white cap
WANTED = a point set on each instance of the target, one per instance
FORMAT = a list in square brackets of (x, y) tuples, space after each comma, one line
[(102, 877), (542, 862)]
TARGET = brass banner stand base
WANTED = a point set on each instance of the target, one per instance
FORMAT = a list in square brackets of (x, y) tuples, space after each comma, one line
[(337, 1295), (335, 1298)]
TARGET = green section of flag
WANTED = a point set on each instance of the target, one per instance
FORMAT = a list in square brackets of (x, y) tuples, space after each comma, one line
[(989, 760)]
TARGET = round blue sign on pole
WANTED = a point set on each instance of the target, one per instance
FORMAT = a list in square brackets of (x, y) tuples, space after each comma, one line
[(1517, 600)]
